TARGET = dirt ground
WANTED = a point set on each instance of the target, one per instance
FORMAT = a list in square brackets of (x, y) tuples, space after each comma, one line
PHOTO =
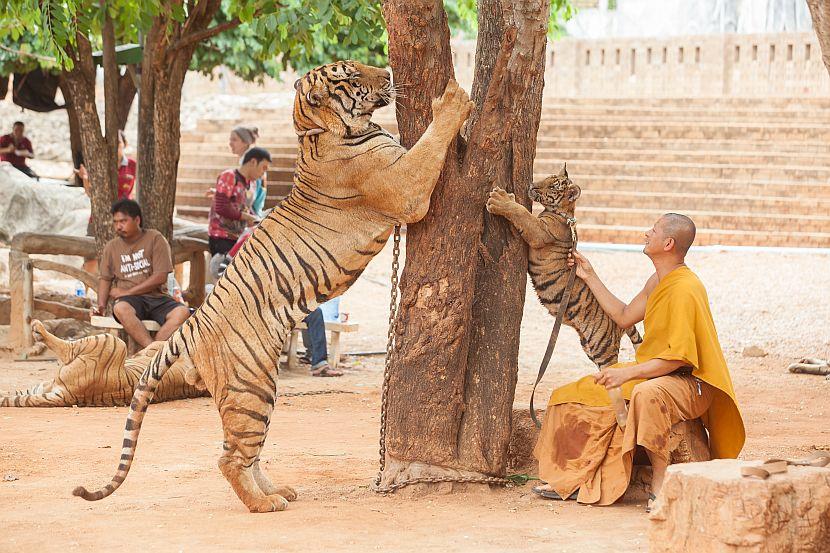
[(326, 446)]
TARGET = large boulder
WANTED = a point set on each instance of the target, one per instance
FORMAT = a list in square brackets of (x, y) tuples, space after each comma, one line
[(32, 206), (710, 507)]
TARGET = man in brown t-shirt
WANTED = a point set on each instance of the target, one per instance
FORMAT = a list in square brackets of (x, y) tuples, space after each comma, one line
[(133, 273)]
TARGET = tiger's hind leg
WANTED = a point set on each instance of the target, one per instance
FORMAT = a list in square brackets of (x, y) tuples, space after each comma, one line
[(245, 417), (268, 488)]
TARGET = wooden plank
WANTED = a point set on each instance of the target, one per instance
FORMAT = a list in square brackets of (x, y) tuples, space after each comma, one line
[(61, 310), (332, 326), (54, 244), (196, 285), (90, 280), (109, 322)]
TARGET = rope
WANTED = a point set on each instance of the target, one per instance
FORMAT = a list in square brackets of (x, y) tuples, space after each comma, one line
[(390, 344)]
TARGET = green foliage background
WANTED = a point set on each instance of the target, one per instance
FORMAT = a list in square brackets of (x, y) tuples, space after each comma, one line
[(297, 33)]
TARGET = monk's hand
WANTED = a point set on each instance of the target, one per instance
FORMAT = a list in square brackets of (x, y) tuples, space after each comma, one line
[(613, 377), (584, 269)]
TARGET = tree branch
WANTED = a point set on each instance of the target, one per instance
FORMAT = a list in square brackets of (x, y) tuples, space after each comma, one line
[(195, 38)]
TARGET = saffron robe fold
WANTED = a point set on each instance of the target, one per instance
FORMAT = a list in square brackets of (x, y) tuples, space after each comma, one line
[(678, 326)]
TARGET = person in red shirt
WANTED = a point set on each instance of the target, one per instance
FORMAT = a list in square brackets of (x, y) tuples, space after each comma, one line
[(229, 212), (15, 148), (127, 172)]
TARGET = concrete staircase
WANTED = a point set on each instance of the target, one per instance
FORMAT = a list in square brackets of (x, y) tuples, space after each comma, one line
[(749, 172)]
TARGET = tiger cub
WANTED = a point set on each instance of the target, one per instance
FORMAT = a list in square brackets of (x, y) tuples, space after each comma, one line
[(549, 238)]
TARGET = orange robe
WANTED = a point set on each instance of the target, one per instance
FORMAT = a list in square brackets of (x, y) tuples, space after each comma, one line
[(582, 448)]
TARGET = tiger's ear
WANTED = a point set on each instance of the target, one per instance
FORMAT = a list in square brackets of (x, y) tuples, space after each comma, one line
[(564, 171), (297, 84), (314, 98), (574, 192)]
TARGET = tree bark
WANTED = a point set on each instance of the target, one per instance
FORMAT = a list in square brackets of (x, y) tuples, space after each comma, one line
[(126, 95), (99, 155), (820, 11), (167, 53), (454, 366)]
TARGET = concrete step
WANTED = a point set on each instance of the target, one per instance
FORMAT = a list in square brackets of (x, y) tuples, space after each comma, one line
[(697, 185), (672, 130), (681, 202), (196, 199), (620, 234), (693, 156), (209, 173), (200, 186), (658, 169), (725, 220), (684, 144)]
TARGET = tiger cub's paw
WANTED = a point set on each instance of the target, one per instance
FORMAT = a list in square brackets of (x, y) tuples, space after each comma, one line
[(500, 202)]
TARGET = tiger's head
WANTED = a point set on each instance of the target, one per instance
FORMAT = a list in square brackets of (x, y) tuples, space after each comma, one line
[(340, 97), (556, 192)]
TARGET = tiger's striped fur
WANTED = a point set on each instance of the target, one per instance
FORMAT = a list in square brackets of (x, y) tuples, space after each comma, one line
[(352, 184), (549, 238), (96, 373)]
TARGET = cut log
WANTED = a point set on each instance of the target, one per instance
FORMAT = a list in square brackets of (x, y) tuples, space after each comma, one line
[(710, 507)]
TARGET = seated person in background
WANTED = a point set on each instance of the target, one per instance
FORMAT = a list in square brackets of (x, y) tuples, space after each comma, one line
[(15, 148), (127, 175), (680, 374), (134, 269), (229, 211)]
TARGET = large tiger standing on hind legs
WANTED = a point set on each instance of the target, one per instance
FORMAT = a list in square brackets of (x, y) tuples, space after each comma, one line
[(353, 183)]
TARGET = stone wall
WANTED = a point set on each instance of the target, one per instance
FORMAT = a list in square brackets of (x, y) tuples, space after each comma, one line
[(763, 65)]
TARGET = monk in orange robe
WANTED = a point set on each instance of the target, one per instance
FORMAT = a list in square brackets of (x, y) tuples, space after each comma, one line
[(679, 374)]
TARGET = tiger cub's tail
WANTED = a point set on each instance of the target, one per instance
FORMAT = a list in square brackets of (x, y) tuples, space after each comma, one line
[(634, 336), (142, 397)]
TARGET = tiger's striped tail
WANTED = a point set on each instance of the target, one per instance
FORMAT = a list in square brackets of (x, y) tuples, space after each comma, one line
[(142, 397), (634, 336)]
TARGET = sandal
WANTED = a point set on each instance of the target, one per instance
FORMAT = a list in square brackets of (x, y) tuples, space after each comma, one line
[(550, 494), (325, 371)]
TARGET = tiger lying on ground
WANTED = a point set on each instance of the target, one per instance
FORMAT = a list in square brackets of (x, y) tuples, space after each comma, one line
[(352, 184), (549, 238), (95, 373)]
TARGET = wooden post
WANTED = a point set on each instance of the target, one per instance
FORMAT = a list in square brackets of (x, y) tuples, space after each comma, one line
[(28, 302), (16, 259), (334, 350), (293, 365), (196, 284)]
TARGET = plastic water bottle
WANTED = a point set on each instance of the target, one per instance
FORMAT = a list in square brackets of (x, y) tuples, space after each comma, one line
[(173, 289), (80, 289)]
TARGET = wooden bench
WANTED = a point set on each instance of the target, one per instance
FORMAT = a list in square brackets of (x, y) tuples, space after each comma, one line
[(334, 348), (118, 330)]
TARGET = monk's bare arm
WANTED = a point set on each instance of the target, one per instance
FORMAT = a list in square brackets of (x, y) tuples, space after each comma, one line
[(624, 314), (617, 376)]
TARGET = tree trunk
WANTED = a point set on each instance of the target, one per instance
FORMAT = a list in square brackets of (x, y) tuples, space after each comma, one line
[(74, 128), (168, 48), (820, 11), (126, 95), (99, 156), (454, 366)]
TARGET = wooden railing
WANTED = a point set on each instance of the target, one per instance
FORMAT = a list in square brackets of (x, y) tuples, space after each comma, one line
[(189, 246)]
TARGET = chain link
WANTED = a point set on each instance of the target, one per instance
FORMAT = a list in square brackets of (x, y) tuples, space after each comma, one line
[(315, 393), (384, 398)]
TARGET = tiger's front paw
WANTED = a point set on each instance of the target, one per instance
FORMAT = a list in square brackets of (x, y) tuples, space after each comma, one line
[(452, 108), (500, 202)]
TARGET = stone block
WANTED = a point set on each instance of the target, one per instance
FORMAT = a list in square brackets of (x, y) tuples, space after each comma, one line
[(710, 507)]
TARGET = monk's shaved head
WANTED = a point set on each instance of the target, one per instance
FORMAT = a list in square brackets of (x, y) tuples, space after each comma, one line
[(681, 228)]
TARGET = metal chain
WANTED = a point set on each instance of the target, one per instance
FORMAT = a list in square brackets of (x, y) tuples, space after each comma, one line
[(390, 343), (315, 393)]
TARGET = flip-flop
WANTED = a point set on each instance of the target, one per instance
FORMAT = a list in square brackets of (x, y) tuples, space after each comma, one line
[(550, 494), (326, 371)]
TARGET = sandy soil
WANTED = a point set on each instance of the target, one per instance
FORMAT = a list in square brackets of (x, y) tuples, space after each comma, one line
[(326, 445)]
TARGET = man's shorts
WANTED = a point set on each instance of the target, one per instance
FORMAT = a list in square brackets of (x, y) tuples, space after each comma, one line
[(154, 308)]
